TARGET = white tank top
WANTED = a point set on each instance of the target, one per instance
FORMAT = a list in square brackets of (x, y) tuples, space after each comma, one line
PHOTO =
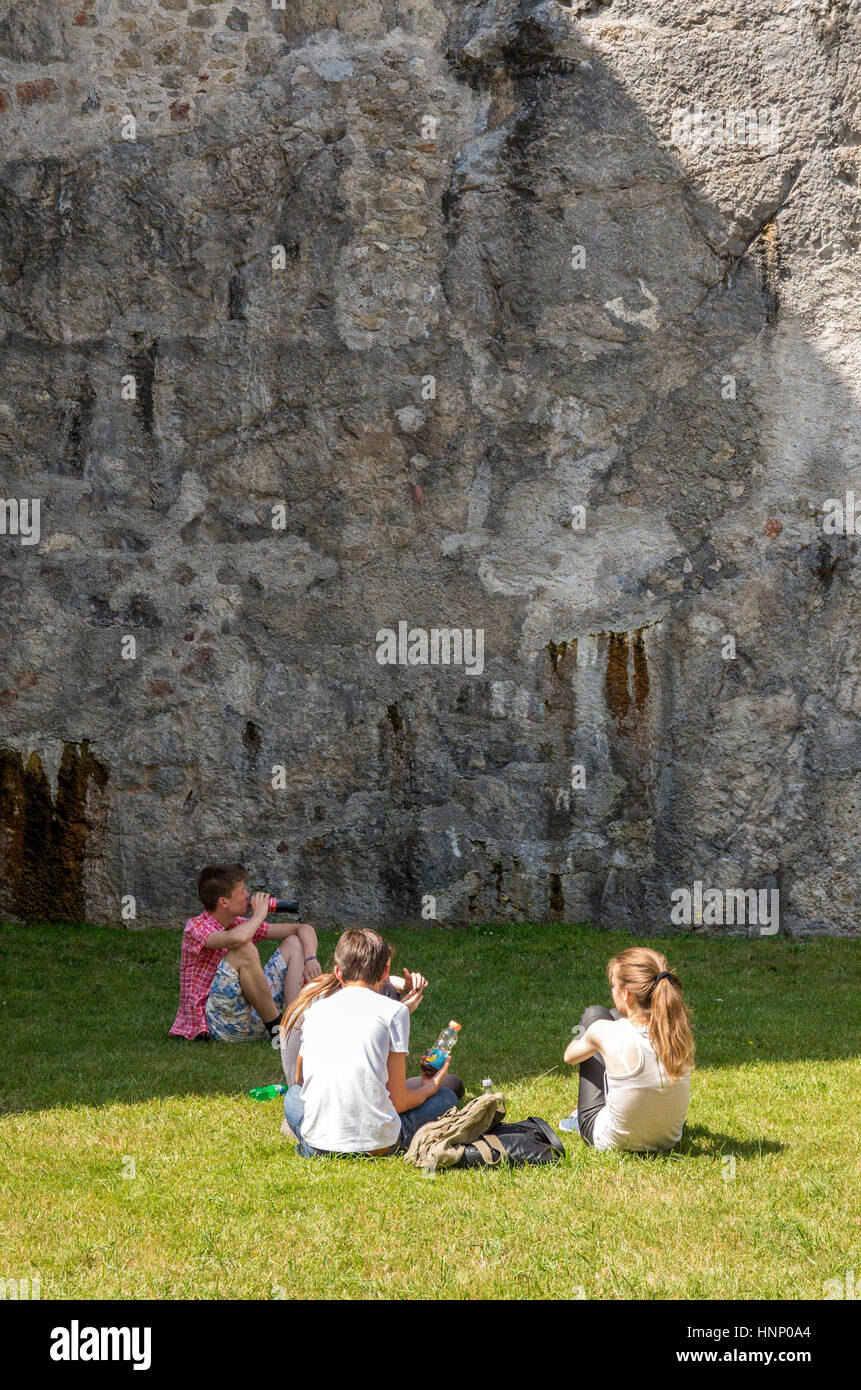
[(645, 1111)]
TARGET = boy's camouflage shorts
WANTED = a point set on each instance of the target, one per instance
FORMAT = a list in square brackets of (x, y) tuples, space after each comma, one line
[(229, 1016)]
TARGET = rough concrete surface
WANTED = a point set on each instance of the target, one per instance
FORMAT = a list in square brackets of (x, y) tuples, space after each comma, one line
[(430, 277)]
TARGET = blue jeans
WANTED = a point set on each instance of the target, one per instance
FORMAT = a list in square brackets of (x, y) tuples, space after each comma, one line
[(431, 1109)]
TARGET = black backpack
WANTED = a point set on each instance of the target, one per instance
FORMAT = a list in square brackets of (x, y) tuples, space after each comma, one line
[(477, 1136), (529, 1141)]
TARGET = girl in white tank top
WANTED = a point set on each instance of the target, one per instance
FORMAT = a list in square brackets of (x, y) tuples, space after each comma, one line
[(644, 1109), (635, 1063)]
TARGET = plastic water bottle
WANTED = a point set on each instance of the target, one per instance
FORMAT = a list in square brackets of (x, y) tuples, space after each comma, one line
[(435, 1056), (487, 1085), (267, 1092)]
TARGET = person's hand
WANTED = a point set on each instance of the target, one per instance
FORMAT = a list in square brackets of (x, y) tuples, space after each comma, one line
[(414, 988), (433, 1083), (259, 907), (312, 970)]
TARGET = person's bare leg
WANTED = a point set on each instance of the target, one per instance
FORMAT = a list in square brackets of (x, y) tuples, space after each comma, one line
[(253, 983), (291, 949)]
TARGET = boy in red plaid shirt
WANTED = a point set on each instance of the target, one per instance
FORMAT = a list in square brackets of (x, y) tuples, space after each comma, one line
[(224, 991)]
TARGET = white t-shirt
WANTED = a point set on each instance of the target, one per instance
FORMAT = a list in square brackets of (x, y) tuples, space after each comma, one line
[(346, 1041)]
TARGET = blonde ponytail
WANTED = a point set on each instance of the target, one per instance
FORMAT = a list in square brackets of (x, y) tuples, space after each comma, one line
[(660, 1000)]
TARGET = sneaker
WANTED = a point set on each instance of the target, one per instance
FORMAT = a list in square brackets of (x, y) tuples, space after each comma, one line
[(287, 1132), (570, 1124)]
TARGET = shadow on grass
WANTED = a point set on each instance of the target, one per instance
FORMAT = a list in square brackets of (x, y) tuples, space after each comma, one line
[(698, 1140)]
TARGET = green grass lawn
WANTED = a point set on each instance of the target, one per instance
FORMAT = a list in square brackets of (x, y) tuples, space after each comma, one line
[(757, 1202)]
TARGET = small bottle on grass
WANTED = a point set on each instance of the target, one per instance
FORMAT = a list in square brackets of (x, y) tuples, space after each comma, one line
[(267, 1092)]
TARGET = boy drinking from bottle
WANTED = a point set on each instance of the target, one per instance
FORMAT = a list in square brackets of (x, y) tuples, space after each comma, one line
[(352, 1094), (224, 991)]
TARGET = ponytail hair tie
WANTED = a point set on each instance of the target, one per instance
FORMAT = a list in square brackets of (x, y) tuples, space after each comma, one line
[(664, 975)]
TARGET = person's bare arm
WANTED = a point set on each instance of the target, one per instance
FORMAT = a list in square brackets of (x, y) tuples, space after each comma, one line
[(279, 930), (579, 1049), (308, 941), (300, 1075), (243, 931), (406, 1097), (308, 937), (411, 987), (237, 936), (226, 940)]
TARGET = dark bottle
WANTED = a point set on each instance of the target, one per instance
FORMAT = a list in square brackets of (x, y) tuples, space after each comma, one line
[(282, 905)]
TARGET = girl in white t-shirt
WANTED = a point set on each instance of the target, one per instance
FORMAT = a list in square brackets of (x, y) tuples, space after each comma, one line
[(635, 1061), (351, 1093), (407, 989)]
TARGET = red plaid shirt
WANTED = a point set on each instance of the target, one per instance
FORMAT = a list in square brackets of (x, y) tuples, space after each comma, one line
[(197, 968)]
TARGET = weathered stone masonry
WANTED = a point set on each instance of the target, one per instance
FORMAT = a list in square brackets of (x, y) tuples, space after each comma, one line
[(417, 248)]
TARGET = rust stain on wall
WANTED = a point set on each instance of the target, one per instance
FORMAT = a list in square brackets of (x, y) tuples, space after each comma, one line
[(619, 692), (768, 248), (43, 841), (616, 679), (557, 689), (641, 670), (557, 652)]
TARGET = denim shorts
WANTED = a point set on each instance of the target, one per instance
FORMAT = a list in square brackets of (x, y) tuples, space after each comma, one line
[(229, 1016)]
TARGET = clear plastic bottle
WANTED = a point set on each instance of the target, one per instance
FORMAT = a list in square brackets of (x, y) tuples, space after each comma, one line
[(435, 1056), (267, 1092)]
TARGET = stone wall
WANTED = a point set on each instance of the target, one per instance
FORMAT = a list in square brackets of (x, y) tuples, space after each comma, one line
[(320, 320)]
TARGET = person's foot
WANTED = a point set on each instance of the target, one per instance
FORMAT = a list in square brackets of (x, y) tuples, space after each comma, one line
[(570, 1124), (287, 1131)]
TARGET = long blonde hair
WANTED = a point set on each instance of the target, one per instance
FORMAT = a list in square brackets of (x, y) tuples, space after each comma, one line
[(320, 988), (668, 1016)]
